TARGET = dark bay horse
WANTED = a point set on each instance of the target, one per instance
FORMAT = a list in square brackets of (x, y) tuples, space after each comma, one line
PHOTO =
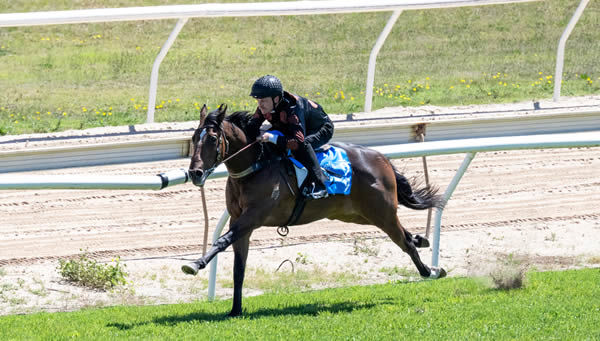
[(257, 193)]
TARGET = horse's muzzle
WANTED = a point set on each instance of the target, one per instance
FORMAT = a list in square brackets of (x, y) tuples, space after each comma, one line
[(197, 176)]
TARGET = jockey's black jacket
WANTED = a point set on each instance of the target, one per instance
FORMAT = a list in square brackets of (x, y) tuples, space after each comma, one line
[(298, 119)]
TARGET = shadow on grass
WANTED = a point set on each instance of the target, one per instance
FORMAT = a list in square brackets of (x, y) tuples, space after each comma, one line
[(302, 309)]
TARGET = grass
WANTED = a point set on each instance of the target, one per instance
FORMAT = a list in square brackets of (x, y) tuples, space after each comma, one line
[(551, 306), (87, 75)]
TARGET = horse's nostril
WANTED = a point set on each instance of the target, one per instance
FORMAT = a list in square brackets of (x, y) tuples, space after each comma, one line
[(196, 176)]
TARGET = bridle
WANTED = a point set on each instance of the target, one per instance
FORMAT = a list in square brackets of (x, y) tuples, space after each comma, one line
[(222, 151)]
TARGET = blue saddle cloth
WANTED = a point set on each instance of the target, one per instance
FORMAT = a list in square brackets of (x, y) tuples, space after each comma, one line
[(337, 166), (335, 162)]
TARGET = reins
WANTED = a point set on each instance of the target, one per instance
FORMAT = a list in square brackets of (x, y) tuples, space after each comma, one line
[(239, 151)]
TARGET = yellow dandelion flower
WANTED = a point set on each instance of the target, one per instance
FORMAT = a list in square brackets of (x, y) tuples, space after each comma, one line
[(318, 93), (462, 81), (177, 100), (64, 114), (110, 114), (468, 85)]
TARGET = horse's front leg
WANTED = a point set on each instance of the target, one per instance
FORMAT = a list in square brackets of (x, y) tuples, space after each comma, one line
[(219, 245), (240, 251)]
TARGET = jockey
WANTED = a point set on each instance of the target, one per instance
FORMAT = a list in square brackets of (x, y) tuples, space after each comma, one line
[(303, 123)]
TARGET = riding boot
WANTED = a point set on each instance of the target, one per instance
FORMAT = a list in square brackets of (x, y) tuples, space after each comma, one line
[(306, 155)]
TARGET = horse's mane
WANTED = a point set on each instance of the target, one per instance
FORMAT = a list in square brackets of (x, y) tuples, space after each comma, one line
[(240, 119)]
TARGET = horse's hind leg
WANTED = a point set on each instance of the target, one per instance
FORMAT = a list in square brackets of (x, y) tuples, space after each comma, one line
[(399, 236)]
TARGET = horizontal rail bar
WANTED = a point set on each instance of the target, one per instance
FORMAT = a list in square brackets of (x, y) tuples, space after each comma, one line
[(112, 182), (568, 140), (231, 10), (370, 133)]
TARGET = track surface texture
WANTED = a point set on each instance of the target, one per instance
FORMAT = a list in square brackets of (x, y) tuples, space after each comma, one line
[(541, 206)]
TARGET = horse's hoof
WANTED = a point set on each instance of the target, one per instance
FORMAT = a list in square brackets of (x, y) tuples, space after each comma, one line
[(192, 268), (437, 273), (420, 241)]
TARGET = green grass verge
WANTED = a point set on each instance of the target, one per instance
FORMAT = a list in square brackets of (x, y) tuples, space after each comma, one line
[(87, 75), (553, 305)]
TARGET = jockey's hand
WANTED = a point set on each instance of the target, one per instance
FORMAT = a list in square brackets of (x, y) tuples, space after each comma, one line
[(268, 137)]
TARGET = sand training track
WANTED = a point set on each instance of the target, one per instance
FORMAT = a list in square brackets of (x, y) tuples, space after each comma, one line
[(540, 205)]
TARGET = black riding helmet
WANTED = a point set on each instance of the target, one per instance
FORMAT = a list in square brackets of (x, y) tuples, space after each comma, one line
[(267, 86)]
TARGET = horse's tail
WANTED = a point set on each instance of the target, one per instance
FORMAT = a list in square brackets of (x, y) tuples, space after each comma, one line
[(416, 198)]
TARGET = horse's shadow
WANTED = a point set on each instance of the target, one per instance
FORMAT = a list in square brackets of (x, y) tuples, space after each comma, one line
[(311, 309)]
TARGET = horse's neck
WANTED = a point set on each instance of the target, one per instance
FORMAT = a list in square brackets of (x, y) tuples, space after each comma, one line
[(245, 158)]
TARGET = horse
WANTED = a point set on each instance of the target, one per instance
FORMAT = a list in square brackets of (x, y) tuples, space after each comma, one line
[(258, 193)]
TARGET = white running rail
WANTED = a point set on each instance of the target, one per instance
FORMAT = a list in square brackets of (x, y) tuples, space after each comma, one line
[(184, 12)]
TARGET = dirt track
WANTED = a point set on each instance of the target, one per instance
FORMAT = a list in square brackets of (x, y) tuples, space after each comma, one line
[(540, 204), (502, 189)]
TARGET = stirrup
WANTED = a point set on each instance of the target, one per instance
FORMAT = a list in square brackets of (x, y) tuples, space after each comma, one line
[(313, 194)]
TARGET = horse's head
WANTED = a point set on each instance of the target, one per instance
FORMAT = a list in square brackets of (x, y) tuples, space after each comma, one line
[(209, 144)]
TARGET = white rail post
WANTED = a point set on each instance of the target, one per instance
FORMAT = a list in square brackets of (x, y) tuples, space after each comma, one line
[(435, 253), (560, 54), (212, 277), (373, 59), (154, 75)]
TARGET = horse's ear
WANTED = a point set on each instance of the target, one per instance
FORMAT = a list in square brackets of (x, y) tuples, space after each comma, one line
[(222, 111), (202, 114)]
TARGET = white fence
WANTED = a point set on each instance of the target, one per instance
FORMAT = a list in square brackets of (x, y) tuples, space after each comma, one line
[(469, 146), (185, 12)]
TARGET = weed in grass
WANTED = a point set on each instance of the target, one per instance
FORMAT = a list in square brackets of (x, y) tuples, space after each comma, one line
[(594, 260), (17, 300), (302, 258), (509, 274), (551, 237), (90, 273), (397, 271), (361, 247), (297, 281)]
